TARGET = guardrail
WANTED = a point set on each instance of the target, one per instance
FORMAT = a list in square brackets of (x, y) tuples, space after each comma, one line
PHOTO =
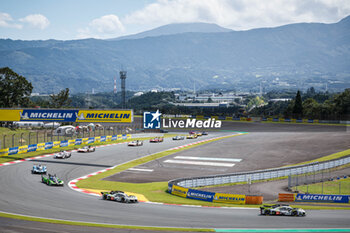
[(258, 175)]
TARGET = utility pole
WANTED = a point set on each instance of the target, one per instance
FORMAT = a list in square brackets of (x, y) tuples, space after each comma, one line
[(122, 78)]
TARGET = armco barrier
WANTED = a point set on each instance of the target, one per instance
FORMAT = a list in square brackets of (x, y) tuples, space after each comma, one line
[(57, 144), (186, 183)]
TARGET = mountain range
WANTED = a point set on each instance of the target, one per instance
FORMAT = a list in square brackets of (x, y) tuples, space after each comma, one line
[(187, 55)]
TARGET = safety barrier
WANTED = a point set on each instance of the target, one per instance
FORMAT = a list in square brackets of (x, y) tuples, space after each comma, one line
[(57, 144), (187, 183)]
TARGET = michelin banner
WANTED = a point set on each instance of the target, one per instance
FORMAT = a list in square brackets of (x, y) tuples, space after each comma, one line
[(322, 198), (67, 115)]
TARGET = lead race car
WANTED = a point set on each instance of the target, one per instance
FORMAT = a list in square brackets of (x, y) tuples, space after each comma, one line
[(51, 180), (39, 169), (86, 149), (135, 143), (63, 155), (278, 209), (119, 196)]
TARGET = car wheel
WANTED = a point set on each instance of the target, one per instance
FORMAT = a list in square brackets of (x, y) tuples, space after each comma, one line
[(273, 213), (294, 213), (123, 200), (104, 197)]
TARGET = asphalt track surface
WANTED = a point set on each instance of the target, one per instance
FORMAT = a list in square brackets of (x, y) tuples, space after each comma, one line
[(23, 193)]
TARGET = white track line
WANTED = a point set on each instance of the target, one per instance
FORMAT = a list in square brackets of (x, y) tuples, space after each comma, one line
[(199, 163), (208, 159), (140, 169)]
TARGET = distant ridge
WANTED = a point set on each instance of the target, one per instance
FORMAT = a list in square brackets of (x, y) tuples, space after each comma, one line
[(294, 56), (178, 28)]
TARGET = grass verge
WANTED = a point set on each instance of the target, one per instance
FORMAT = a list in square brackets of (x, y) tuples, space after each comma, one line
[(341, 187), (77, 223), (155, 191)]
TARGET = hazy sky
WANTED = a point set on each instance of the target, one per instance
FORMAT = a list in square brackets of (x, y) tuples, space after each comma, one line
[(77, 19)]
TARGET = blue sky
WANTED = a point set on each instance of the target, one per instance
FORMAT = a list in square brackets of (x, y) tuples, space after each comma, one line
[(77, 19)]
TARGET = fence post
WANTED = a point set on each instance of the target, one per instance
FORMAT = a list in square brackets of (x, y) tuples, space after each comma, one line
[(13, 140), (4, 141), (21, 138)]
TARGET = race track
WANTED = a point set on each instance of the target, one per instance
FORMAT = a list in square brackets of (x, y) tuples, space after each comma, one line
[(23, 193)]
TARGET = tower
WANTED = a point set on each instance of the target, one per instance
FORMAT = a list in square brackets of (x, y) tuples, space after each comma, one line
[(122, 78)]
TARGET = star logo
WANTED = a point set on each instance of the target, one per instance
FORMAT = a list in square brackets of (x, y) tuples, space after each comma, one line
[(151, 120), (156, 115)]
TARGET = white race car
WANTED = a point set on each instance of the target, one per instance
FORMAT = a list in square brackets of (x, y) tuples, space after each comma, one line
[(87, 149), (136, 143), (178, 137), (281, 210), (119, 196), (63, 155)]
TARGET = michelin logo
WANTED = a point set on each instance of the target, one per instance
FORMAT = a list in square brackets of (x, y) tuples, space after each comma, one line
[(151, 120)]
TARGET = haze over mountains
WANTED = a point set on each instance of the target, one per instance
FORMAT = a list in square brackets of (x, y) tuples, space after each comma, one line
[(181, 55)]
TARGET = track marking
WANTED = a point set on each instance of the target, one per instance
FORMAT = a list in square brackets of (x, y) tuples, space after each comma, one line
[(140, 169), (200, 163), (208, 159)]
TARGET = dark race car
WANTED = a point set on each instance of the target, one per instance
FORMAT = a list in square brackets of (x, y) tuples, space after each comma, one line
[(278, 209), (119, 196)]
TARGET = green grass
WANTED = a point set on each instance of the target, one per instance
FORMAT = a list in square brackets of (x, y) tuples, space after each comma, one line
[(75, 223), (329, 187), (155, 191), (8, 158)]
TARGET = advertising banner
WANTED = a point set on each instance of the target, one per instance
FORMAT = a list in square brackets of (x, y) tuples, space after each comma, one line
[(48, 115), (108, 138), (322, 198), (64, 143), (125, 116), (229, 198), (119, 137), (67, 115), (4, 152), (32, 148), (128, 136), (97, 139), (114, 137), (179, 191), (124, 136), (200, 195), (13, 150), (41, 146), (48, 145), (78, 141), (91, 140), (103, 139), (56, 144), (22, 149), (71, 142), (85, 140)]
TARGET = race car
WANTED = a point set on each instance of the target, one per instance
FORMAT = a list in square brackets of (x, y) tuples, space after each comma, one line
[(136, 143), (63, 155), (156, 139), (39, 169), (87, 149), (281, 210), (119, 196), (204, 133), (178, 137), (192, 136), (51, 180)]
